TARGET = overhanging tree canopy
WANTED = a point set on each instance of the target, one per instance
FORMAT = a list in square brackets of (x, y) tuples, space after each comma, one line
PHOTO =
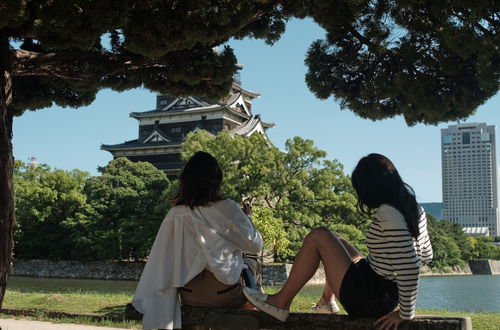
[(428, 60)]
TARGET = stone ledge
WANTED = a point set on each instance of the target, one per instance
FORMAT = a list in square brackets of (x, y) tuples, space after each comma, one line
[(201, 318)]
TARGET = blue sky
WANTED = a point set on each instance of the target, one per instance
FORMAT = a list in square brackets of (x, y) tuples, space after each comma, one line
[(70, 138)]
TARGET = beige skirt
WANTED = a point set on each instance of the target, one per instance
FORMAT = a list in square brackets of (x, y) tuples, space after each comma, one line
[(207, 291)]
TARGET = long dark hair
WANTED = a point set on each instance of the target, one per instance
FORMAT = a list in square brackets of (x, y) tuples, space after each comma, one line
[(200, 181), (377, 182)]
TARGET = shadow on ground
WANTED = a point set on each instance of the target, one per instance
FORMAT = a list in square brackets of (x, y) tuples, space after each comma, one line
[(112, 311)]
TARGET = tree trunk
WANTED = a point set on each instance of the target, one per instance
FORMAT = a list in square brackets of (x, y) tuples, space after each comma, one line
[(6, 167)]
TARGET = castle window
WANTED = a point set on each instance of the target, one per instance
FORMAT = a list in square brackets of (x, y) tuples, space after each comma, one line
[(163, 102), (176, 130)]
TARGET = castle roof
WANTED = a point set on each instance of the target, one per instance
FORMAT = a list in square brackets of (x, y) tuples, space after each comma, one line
[(135, 144), (236, 103)]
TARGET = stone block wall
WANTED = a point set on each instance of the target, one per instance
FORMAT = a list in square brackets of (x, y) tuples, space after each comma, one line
[(106, 270), (484, 266), (114, 270)]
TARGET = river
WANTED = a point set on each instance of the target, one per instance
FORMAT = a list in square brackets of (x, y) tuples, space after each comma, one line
[(468, 293)]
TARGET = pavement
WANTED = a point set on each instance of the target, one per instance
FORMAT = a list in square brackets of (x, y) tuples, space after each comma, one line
[(20, 324)]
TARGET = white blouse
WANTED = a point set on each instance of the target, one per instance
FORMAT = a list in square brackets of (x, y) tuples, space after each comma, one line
[(188, 241)]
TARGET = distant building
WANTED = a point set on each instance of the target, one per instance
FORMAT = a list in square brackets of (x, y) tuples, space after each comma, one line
[(163, 129), (477, 231), (436, 209), (469, 172)]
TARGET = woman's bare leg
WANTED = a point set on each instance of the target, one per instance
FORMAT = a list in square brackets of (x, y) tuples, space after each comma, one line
[(320, 245), (328, 294)]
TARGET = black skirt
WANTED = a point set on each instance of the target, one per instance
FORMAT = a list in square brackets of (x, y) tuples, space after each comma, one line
[(364, 293)]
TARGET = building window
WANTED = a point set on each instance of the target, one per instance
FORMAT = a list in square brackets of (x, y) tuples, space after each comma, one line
[(163, 102), (465, 137), (175, 130), (447, 139)]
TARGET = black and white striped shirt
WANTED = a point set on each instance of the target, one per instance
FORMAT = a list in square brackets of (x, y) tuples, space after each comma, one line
[(396, 256)]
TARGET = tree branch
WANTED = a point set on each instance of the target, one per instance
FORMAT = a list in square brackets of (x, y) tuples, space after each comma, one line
[(361, 38), (78, 64)]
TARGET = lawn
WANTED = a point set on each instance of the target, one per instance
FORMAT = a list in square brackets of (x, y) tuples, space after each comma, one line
[(101, 301)]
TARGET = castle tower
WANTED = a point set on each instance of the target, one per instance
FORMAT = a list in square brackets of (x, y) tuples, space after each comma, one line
[(162, 130)]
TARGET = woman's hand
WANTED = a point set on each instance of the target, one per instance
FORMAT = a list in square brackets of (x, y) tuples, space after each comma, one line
[(389, 321)]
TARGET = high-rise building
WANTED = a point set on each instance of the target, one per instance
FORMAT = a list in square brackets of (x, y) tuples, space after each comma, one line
[(470, 195)]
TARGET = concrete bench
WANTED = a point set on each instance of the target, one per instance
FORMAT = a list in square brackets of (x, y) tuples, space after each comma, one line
[(204, 318)]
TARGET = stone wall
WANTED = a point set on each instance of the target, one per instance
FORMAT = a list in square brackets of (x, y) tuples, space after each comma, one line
[(484, 266), (278, 273), (112, 270), (271, 273), (448, 270), (107, 270)]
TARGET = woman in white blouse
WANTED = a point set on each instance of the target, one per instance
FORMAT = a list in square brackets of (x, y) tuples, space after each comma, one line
[(385, 283), (196, 257)]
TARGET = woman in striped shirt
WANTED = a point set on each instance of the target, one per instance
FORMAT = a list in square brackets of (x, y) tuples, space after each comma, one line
[(382, 285)]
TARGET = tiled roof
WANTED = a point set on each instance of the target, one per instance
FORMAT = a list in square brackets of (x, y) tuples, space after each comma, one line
[(137, 144), (159, 112)]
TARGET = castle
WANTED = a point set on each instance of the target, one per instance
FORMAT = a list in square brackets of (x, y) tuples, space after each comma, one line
[(162, 130)]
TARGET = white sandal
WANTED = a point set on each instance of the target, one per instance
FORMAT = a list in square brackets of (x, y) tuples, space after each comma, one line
[(259, 300)]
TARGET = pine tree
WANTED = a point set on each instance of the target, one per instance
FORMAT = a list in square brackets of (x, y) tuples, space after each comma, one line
[(63, 52), (429, 61)]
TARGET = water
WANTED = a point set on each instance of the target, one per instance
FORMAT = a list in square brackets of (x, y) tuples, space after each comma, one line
[(474, 293)]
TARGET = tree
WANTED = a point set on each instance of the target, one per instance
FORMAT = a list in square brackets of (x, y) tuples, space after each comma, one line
[(298, 185), (51, 52), (430, 61), (272, 231), (129, 203), (52, 211), (442, 67)]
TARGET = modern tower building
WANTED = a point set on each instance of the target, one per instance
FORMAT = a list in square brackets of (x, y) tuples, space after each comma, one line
[(469, 172)]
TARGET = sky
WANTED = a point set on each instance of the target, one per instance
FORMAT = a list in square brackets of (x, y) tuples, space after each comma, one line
[(69, 138)]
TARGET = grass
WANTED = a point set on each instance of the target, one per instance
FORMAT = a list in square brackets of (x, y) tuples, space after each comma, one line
[(104, 306)]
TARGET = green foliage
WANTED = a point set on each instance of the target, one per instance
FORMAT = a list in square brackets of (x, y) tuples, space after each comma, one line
[(452, 247), (484, 248), (66, 51), (444, 236), (353, 235), (50, 208), (129, 203), (384, 58), (299, 185), (272, 231), (428, 61), (70, 215)]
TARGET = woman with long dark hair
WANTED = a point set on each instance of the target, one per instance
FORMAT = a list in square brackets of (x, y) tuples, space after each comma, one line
[(197, 254), (385, 283)]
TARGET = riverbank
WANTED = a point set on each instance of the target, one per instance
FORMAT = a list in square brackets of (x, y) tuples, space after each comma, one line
[(271, 273)]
